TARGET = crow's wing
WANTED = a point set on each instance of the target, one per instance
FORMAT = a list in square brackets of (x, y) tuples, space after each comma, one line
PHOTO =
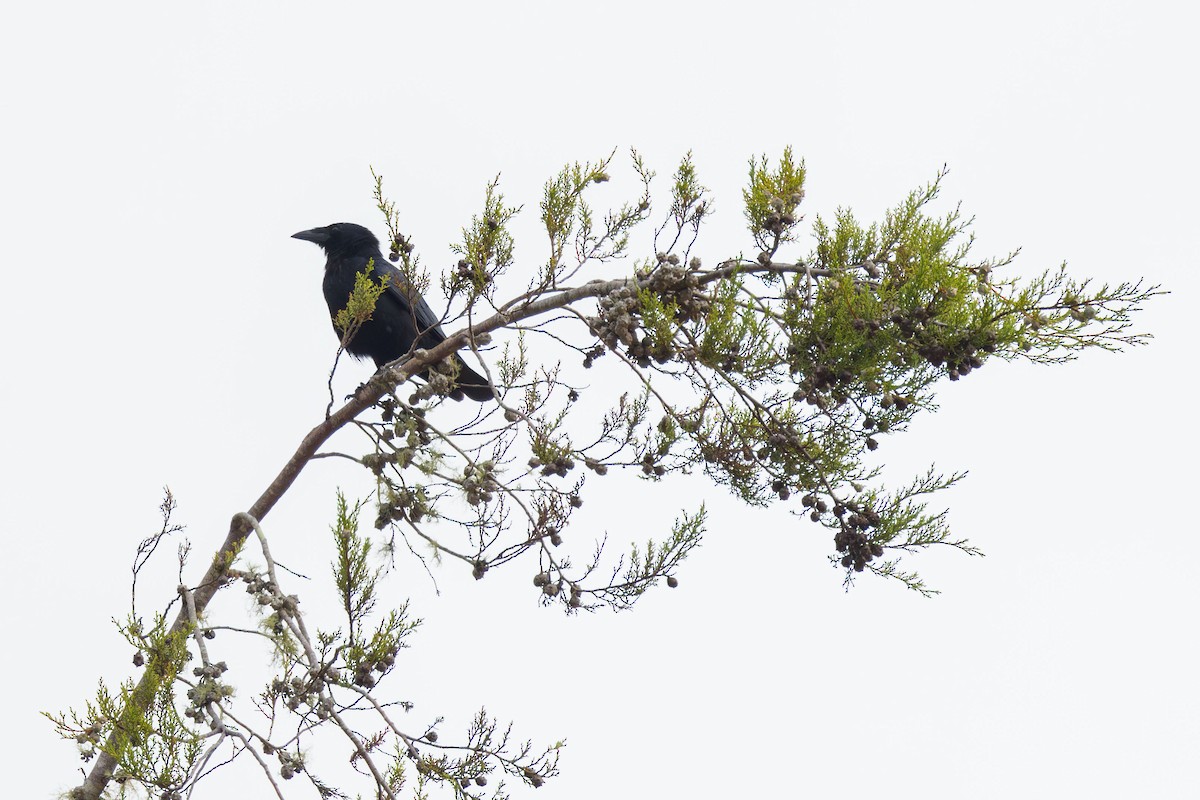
[(410, 299)]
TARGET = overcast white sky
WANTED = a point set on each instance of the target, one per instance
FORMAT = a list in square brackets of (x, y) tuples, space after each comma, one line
[(159, 327)]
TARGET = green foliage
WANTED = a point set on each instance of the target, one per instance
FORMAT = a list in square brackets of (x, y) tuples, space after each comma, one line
[(401, 248), (659, 319), (354, 577), (655, 560), (623, 423), (1054, 316), (689, 208), (514, 361), (486, 249), (549, 448), (734, 336), (563, 208), (687, 195), (357, 585), (140, 725), (771, 199), (360, 305), (570, 222), (798, 368), (906, 526)]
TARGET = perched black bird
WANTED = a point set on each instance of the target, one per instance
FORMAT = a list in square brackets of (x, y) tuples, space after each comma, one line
[(402, 320)]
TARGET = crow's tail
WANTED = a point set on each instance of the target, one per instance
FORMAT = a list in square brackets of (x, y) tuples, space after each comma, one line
[(472, 384)]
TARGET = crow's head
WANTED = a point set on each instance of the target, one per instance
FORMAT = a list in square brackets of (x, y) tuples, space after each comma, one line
[(341, 238)]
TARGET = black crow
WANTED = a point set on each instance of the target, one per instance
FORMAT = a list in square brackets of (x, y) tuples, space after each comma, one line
[(402, 320)]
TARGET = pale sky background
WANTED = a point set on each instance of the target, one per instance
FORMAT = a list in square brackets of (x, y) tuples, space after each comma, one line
[(160, 328)]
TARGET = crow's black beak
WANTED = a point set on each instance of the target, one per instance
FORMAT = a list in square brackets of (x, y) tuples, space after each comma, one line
[(316, 236)]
